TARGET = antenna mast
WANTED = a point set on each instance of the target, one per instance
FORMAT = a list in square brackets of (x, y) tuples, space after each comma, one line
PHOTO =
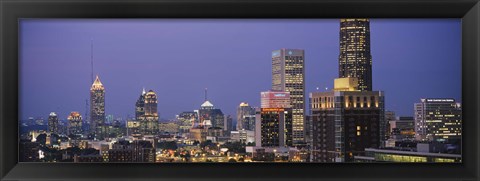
[(205, 94), (91, 58)]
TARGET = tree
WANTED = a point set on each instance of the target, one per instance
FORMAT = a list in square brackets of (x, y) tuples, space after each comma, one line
[(168, 145), (232, 160), (209, 144), (236, 147), (42, 139)]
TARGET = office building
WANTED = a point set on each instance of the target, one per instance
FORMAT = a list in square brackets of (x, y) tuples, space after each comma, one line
[(53, 123), (186, 120), (355, 59), (274, 125), (149, 121), (228, 124), (75, 124), (245, 117), (140, 106), (403, 127), (345, 122), (390, 155), (438, 119), (211, 116), (288, 75), (389, 116), (168, 128), (97, 109), (243, 136)]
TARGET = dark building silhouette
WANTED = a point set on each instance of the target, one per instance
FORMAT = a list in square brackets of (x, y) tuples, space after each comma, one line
[(355, 59), (345, 123)]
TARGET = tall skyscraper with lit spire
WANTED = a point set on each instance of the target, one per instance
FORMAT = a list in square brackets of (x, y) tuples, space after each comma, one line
[(355, 59), (97, 109)]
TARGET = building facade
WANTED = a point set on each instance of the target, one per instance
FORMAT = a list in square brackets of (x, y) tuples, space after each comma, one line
[(274, 121), (355, 59), (244, 117), (53, 123), (345, 123), (438, 119), (97, 109), (210, 116), (288, 75), (149, 121), (75, 124), (186, 120), (140, 106)]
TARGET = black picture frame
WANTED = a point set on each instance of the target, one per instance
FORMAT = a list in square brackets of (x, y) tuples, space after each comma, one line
[(12, 10)]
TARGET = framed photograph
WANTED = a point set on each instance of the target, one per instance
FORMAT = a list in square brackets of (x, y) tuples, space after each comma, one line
[(239, 90)]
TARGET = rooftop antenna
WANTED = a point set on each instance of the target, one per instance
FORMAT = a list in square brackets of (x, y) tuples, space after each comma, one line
[(86, 111), (91, 57), (205, 94)]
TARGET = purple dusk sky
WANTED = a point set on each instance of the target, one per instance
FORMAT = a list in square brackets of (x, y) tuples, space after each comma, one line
[(178, 58)]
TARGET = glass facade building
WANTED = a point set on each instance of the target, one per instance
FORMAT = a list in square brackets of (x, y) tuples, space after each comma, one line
[(438, 119), (288, 75)]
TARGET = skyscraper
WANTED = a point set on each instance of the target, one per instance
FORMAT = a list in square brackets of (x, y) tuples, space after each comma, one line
[(438, 119), (355, 59), (140, 106), (209, 116), (75, 124), (274, 121), (345, 122), (53, 123), (288, 75), (245, 117), (97, 109), (149, 121), (228, 124)]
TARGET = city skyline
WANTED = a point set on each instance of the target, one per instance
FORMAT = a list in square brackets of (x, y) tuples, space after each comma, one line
[(120, 98)]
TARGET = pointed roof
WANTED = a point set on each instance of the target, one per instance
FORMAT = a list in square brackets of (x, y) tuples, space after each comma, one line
[(97, 84), (143, 92), (243, 104), (207, 104)]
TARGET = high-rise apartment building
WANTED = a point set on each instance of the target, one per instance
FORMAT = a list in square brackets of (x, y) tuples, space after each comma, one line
[(355, 59), (438, 119), (288, 75), (97, 109)]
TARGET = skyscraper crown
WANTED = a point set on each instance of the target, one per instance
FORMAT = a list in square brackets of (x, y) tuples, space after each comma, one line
[(97, 84)]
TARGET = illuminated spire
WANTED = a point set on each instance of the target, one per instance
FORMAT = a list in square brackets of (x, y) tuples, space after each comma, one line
[(97, 84), (143, 92), (207, 104)]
